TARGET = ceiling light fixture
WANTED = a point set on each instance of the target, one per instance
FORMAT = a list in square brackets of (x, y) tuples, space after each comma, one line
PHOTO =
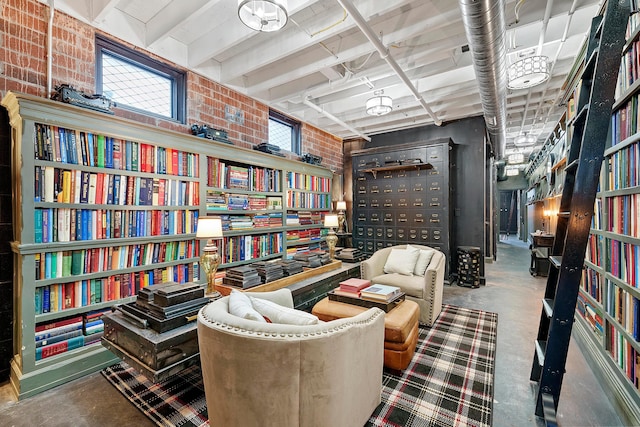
[(528, 72), (263, 15), (525, 139), (379, 104)]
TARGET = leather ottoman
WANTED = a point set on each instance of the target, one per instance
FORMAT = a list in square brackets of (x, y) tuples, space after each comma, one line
[(400, 328)]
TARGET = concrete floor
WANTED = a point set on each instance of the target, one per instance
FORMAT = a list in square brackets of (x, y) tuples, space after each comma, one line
[(510, 291)]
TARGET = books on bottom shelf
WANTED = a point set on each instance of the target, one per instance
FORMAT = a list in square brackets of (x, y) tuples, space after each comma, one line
[(63, 335)]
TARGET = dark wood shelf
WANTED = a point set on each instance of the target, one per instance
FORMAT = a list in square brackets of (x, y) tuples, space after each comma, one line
[(413, 166)]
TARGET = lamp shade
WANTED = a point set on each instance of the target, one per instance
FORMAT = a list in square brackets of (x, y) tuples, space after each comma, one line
[(209, 228), (528, 72), (331, 220), (263, 15), (341, 205), (515, 158), (379, 104)]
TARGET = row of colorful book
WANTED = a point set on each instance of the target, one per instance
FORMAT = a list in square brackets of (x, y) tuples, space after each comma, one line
[(624, 214), (297, 199), (65, 225), (624, 308), (62, 335), (303, 181), (58, 264), (242, 248), (252, 178), (629, 70), (82, 293), (76, 147), (623, 261), (623, 168), (216, 200), (82, 187), (591, 283)]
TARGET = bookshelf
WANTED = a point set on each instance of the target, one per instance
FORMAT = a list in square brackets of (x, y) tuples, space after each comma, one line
[(608, 310), (104, 206)]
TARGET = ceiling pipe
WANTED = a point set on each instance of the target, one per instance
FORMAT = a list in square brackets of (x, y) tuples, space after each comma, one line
[(484, 25), (305, 101), (384, 54)]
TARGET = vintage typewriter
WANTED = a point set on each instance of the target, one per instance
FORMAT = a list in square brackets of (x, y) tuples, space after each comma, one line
[(66, 93)]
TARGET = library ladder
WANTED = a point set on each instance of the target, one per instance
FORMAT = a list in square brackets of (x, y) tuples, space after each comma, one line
[(584, 161)]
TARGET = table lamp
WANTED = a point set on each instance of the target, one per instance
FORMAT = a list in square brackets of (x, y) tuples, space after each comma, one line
[(209, 228), (341, 206), (331, 221)]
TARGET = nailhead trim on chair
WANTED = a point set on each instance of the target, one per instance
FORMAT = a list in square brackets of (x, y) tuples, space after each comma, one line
[(216, 323)]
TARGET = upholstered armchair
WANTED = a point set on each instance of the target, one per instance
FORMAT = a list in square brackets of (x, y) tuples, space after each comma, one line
[(269, 374), (424, 286)]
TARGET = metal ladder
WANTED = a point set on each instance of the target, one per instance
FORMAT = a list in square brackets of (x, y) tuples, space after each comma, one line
[(584, 161)]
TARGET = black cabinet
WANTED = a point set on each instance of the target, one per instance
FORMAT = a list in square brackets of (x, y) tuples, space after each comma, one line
[(402, 194)]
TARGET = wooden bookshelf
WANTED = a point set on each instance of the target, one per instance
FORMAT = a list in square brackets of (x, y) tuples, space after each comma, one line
[(116, 208)]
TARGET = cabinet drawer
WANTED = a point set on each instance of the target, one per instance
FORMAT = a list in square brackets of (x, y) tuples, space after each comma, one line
[(436, 153)]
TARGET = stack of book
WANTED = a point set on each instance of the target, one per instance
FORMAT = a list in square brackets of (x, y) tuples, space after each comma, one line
[(291, 267), (241, 222), (275, 219), (261, 220), (242, 277), (293, 219), (349, 254), (237, 202), (308, 259), (352, 287), (216, 201), (63, 335), (257, 202), (268, 271), (383, 293)]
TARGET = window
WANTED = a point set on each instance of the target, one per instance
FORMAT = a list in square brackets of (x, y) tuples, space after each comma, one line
[(284, 132), (138, 83)]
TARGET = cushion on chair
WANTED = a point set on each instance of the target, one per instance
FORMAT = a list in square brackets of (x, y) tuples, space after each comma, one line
[(402, 261), (279, 314), (424, 258), (240, 305)]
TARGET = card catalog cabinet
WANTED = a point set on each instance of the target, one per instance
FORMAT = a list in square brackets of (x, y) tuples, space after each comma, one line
[(402, 195)]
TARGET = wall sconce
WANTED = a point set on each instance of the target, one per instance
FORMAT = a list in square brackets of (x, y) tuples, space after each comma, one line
[(209, 228), (331, 221), (263, 15), (341, 206)]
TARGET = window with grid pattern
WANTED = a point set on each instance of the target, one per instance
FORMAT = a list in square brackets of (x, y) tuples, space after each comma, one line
[(284, 132), (136, 82)]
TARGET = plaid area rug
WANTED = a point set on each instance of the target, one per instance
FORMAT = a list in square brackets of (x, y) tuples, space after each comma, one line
[(449, 381)]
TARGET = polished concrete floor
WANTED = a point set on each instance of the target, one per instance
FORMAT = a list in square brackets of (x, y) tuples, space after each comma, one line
[(510, 291)]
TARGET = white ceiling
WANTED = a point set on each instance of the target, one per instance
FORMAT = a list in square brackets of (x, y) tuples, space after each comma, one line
[(321, 55)]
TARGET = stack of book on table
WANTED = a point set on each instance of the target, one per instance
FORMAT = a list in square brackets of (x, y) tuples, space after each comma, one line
[(291, 267), (352, 287), (349, 254), (268, 271), (242, 277), (360, 292)]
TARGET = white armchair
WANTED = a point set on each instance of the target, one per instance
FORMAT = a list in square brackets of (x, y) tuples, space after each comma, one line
[(426, 290), (267, 374)]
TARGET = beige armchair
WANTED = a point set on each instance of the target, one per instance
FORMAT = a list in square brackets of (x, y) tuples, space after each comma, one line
[(425, 290), (267, 374)]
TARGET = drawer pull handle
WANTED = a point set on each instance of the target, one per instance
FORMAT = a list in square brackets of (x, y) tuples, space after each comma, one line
[(417, 204), (434, 220), (434, 188), (434, 204)]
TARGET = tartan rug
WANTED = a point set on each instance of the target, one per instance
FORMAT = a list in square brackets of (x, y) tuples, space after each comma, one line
[(449, 381)]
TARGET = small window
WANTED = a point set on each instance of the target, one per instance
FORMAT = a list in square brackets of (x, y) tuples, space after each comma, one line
[(136, 82), (284, 132)]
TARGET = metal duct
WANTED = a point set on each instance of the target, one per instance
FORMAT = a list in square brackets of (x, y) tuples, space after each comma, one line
[(485, 27)]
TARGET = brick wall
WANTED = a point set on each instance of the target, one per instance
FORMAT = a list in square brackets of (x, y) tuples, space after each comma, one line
[(23, 49), (23, 67)]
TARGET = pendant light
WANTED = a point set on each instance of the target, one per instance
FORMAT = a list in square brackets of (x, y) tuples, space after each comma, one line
[(263, 15), (379, 104)]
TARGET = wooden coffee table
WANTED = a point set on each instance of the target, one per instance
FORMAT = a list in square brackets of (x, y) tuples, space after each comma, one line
[(400, 328)]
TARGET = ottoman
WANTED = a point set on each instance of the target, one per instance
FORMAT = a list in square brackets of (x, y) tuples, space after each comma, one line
[(400, 328)]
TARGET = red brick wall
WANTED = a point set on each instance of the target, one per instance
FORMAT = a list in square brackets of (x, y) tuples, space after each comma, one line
[(23, 52)]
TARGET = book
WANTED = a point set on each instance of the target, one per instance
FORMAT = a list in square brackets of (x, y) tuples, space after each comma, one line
[(380, 292), (354, 284)]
